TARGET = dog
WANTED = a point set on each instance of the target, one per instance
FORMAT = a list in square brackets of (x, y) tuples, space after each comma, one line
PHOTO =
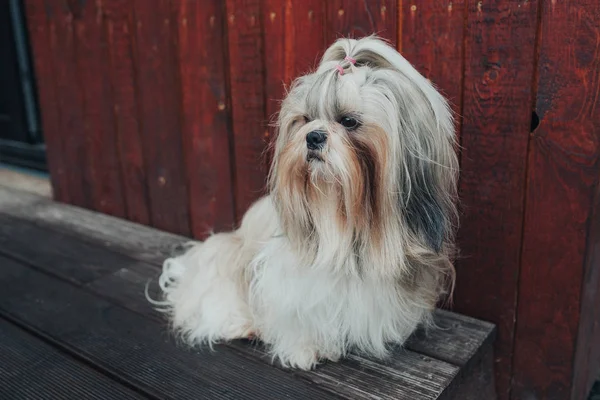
[(352, 247)]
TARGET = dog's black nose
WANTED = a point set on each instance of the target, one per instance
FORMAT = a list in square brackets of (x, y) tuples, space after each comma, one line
[(315, 139)]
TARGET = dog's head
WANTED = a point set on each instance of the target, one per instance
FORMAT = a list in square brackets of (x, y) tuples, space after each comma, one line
[(365, 151)]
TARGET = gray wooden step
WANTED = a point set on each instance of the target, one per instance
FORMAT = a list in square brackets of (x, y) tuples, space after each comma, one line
[(76, 279)]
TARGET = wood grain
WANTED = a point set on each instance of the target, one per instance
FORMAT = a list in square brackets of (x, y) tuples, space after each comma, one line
[(101, 164), (277, 71), (41, 36), (246, 80), (205, 125), (432, 39), (159, 116), (120, 31), (123, 344), (69, 99), (61, 253), (358, 18), (499, 62), (294, 38), (32, 369), (137, 241), (456, 339), (305, 36), (556, 354)]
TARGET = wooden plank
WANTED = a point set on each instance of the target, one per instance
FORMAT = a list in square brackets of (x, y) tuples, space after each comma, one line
[(560, 275), (294, 39), (476, 380), (159, 115), (276, 27), (587, 352), (119, 37), (137, 241), (60, 252), (205, 112), (456, 338), (246, 68), (305, 36), (455, 342), (102, 168), (42, 35), (125, 287), (431, 37), (357, 18), (124, 344), (32, 369), (499, 59), (69, 99), (406, 375)]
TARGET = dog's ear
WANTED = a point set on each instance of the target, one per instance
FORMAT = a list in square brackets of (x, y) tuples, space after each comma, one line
[(425, 212)]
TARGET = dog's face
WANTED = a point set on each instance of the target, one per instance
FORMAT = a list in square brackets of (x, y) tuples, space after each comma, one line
[(364, 151)]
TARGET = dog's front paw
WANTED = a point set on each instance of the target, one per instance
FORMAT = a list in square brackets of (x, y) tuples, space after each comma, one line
[(304, 359), (333, 356)]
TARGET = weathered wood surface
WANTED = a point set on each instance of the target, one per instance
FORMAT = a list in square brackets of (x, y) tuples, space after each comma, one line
[(33, 369), (248, 118), (205, 114), (98, 313), (56, 63), (432, 39), (499, 63), (120, 38), (356, 18), (101, 166), (128, 346), (159, 97), (42, 36), (557, 346)]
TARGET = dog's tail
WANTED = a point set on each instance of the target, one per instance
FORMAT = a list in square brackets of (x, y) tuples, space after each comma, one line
[(172, 271)]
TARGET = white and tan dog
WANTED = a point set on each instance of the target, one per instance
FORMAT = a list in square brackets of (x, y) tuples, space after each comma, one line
[(351, 249)]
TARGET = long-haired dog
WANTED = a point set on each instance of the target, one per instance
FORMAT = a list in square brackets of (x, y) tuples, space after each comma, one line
[(351, 249)]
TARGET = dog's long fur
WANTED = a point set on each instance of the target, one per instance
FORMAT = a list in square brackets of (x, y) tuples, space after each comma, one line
[(351, 248)]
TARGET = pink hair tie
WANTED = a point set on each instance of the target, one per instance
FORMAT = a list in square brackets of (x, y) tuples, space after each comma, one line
[(341, 69)]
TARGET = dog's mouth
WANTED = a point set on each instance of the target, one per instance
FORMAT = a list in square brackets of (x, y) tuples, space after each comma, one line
[(313, 156)]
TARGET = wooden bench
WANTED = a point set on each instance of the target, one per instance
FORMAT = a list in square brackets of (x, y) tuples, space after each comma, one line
[(74, 322)]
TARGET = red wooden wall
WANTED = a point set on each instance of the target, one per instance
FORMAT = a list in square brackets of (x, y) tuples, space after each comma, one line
[(158, 111)]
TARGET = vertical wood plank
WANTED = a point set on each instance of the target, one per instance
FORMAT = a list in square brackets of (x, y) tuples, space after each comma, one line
[(358, 18), (499, 60), (119, 35), (432, 37), (160, 110), (205, 131), (42, 37), (277, 72), (305, 36), (294, 39), (102, 168), (246, 80), (556, 354), (587, 350), (69, 99)]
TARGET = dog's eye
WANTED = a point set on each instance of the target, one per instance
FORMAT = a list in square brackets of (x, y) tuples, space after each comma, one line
[(303, 119), (349, 122)]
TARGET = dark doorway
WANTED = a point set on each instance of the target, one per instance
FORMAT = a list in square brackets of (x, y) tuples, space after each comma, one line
[(21, 141)]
